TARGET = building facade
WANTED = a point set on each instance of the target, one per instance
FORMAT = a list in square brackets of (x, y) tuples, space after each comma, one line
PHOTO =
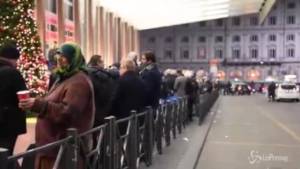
[(242, 47), (96, 29)]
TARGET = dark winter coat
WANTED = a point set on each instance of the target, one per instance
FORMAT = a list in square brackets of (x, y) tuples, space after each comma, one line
[(191, 89), (153, 79), (12, 119), (130, 95)]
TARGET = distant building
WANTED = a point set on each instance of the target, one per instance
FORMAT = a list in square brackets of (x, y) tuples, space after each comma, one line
[(246, 50)]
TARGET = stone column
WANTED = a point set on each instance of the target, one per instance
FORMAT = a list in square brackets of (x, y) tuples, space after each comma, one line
[(110, 42), (76, 13), (126, 33), (41, 22), (118, 39), (129, 35), (61, 21), (100, 31), (123, 40), (137, 41), (89, 29)]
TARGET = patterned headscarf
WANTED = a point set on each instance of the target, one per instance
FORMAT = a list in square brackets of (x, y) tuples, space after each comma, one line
[(72, 53)]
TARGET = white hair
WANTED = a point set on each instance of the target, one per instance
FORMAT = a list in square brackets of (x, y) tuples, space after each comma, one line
[(132, 56)]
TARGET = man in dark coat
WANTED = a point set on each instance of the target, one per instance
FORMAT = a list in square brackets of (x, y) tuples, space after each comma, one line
[(12, 118), (271, 91), (104, 88), (130, 94), (191, 90), (152, 78)]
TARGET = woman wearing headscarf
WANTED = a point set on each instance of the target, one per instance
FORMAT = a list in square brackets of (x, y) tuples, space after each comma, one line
[(69, 104)]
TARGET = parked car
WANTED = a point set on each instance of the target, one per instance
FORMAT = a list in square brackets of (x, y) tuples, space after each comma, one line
[(241, 88), (287, 91)]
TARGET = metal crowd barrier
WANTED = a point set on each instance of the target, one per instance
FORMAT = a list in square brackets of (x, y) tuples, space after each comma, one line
[(205, 103), (107, 147)]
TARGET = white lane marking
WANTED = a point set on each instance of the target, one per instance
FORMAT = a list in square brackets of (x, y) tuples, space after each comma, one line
[(254, 144), (280, 125)]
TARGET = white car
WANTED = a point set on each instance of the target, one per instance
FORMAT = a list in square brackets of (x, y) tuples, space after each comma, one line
[(287, 91)]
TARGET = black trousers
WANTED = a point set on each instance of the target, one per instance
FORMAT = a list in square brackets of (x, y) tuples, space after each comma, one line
[(8, 143), (190, 105)]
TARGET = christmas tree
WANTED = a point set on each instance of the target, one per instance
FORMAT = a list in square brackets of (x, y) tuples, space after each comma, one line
[(17, 24)]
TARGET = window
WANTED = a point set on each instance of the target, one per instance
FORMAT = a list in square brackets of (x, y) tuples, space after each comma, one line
[(185, 39), (219, 39), (202, 24), (254, 53), (253, 21), (291, 52), (236, 21), (272, 20), (272, 53), (290, 37), (168, 54), (288, 87), (236, 53), (184, 54), (70, 15), (168, 40), (51, 5), (291, 20), (291, 5), (201, 53), (151, 40), (272, 38), (219, 53), (253, 38), (202, 39), (219, 22), (236, 38), (53, 28)]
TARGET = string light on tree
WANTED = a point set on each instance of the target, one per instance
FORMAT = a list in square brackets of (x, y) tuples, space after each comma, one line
[(17, 24)]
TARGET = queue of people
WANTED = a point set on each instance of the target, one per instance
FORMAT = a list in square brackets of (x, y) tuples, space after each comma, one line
[(71, 101), (82, 94)]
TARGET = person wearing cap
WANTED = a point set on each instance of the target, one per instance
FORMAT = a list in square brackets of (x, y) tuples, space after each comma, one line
[(69, 104), (12, 118)]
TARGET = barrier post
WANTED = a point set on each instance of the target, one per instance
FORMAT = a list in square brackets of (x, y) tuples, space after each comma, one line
[(149, 136), (133, 142), (159, 129), (167, 125), (179, 116), (110, 141), (182, 112), (72, 150), (174, 119)]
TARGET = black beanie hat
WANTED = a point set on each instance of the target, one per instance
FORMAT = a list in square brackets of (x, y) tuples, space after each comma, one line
[(9, 51)]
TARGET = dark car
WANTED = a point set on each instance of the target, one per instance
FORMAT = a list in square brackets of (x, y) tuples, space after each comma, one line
[(245, 89), (242, 89)]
